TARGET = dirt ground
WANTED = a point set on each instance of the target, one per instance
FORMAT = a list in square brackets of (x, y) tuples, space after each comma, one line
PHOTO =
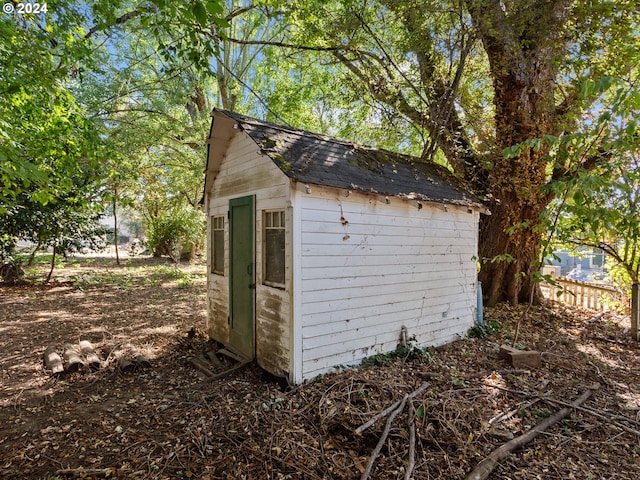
[(169, 421)]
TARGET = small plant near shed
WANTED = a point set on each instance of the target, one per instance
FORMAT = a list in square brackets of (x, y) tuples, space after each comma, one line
[(404, 353), (484, 330)]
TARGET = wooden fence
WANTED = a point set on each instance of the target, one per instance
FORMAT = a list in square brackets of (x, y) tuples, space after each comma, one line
[(586, 295)]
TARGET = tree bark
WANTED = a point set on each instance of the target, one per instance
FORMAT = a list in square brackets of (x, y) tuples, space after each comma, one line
[(523, 49), (509, 252), (115, 223), (53, 265), (32, 256)]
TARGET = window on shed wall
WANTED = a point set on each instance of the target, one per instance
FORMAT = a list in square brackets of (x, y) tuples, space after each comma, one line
[(217, 245), (273, 245)]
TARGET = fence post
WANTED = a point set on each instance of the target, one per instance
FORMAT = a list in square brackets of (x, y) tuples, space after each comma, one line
[(635, 310)]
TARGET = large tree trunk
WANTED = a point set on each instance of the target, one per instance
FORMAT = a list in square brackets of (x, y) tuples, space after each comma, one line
[(523, 48), (510, 258), (510, 238)]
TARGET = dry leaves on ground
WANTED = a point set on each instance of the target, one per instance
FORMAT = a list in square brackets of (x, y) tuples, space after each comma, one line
[(168, 421)]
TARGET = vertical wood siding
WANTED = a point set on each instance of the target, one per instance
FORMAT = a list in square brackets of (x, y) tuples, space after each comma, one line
[(245, 172), (369, 268)]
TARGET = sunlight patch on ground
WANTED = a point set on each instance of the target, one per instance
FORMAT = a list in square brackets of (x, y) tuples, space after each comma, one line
[(164, 330), (594, 352), (630, 398), (495, 380)]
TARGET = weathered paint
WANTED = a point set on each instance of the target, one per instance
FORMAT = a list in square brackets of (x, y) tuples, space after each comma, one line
[(272, 329), (370, 267), (243, 171)]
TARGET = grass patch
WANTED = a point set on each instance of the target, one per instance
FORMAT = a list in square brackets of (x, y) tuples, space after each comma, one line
[(101, 279)]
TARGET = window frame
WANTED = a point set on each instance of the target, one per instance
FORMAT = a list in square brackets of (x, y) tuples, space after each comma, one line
[(274, 219), (217, 225)]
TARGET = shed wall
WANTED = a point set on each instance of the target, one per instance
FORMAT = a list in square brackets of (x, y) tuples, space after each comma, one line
[(369, 268), (244, 171)]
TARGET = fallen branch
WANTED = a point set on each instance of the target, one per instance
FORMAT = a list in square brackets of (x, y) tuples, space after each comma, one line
[(501, 417), (391, 408), (611, 420), (596, 317), (486, 466), (412, 443), (383, 438), (87, 472)]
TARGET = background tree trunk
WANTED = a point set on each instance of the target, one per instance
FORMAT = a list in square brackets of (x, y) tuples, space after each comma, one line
[(115, 223), (53, 264)]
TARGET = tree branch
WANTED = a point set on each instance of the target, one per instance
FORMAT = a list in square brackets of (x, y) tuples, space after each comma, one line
[(281, 44), (120, 20), (486, 466), (141, 110)]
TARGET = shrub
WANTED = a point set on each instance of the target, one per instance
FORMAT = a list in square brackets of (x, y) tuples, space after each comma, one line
[(175, 231)]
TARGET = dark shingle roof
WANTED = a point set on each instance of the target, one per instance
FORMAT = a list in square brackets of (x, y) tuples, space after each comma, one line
[(322, 160)]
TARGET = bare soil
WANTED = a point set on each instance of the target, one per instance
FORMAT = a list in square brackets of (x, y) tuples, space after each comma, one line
[(168, 421)]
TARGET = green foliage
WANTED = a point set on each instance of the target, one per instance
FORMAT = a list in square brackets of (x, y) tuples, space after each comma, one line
[(185, 282), (600, 204), (457, 378), (91, 279), (162, 272), (50, 198), (486, 329), (175, 229), (80, 110), (404, 353)]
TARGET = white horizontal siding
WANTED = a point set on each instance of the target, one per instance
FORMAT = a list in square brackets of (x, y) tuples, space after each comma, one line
[(244, 171), (350, 353), (369, 268), (434, 257), (393, 225), (312, 250), (327, 308), (353, 318)]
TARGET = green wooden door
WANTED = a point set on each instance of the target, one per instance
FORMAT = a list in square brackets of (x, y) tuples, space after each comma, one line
[(242, 277)]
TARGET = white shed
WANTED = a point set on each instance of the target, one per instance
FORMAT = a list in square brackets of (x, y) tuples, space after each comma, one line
[(323, 252)]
